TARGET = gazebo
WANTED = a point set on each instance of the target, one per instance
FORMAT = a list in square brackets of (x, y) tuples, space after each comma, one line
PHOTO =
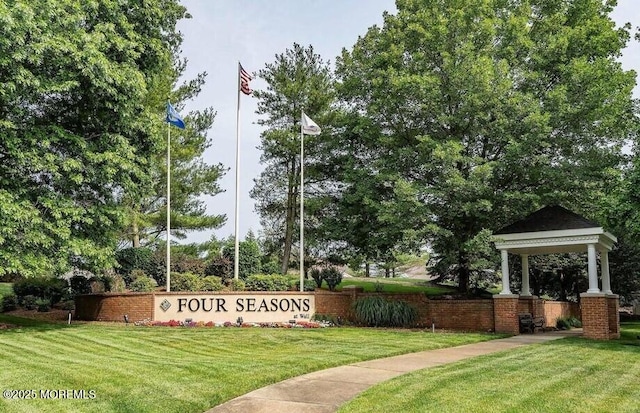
[(553, 230)]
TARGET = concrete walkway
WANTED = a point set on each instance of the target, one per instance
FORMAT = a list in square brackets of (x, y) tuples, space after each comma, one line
[(316, 392)]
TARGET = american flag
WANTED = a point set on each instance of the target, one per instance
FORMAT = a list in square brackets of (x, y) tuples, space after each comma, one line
[(245, 77)]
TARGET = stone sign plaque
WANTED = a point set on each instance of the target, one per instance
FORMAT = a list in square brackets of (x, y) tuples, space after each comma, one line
[(220, 307)]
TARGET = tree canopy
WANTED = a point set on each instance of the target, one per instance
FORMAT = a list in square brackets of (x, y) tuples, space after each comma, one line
[(81, 119), (489, 109)]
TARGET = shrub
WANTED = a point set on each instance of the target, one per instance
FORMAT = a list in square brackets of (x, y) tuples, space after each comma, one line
[(43, 305), (316, 274), (29, 302), (185, 282), (309, 285), (249, 258), (211, 283), (185, 263), (566, 323), (130, 259), (273, 282), (106, 280), (157, 268), (137, 273), (79, 285), (97, 285), (143, 284), (115, 283), (52, 289), (378, 312), (69, 305), (220, 267), (272, 266), (562, 324), (10, 277), (236, 285), (332, 276), (9, 302)]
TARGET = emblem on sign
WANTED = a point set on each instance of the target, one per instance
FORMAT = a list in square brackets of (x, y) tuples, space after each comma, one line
[(165, 304)]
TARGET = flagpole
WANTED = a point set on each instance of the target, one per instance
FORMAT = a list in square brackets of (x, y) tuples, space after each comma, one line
[(301, 203), (168, 206), (236, 267)]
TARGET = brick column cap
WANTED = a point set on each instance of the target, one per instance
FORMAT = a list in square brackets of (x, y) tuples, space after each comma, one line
[(587, 295), (355, 288), (612, 295), (506, 296), (528, 297)]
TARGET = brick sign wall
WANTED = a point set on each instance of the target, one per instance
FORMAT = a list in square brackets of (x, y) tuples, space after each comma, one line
[(114, 306), (466, 315)]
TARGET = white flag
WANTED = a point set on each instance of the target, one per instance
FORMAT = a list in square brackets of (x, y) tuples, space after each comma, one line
[(309, 127)]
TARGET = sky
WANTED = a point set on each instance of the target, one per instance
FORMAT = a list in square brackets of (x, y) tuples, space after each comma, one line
[(222, 33)]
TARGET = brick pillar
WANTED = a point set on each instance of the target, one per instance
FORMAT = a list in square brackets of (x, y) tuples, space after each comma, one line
[(537, 308), (613, 304), (595, 316), (531, 304), (353, 291), (505, 313)]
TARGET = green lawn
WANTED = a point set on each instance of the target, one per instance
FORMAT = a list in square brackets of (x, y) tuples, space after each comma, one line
[(395, 285), (6, 289), (163, 369), (569, 375)]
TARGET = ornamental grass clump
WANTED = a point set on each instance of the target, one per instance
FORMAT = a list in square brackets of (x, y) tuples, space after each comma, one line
[(379, 312)]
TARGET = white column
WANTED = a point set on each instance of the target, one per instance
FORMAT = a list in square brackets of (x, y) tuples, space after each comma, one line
[(525, 276), (593, 269), (505, 272), (604, 267)]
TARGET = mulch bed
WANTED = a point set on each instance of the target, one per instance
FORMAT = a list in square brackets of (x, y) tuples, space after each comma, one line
[(52, 315)]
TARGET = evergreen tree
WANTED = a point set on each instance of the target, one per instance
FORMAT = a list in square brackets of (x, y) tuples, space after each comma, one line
[(298, 80)]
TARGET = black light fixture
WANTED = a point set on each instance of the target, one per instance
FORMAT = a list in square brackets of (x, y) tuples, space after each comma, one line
[(126, 318), (239, 321)]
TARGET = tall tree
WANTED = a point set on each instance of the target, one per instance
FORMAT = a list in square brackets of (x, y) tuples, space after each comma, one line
[(298, 80), (490, 108), (191, 178), (75, 133), (622, 219), (352, 210)]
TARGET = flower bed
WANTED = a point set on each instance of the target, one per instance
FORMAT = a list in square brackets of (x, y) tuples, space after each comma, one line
[(176, 323)]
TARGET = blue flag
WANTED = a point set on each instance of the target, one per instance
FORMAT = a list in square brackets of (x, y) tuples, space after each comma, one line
[(173, 117)]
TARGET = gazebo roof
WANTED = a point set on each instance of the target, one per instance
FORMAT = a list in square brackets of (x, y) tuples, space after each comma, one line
[(553, 229), (550, 218)]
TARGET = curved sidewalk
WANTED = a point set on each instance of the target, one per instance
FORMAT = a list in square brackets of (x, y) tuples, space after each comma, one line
[(316, 392)]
